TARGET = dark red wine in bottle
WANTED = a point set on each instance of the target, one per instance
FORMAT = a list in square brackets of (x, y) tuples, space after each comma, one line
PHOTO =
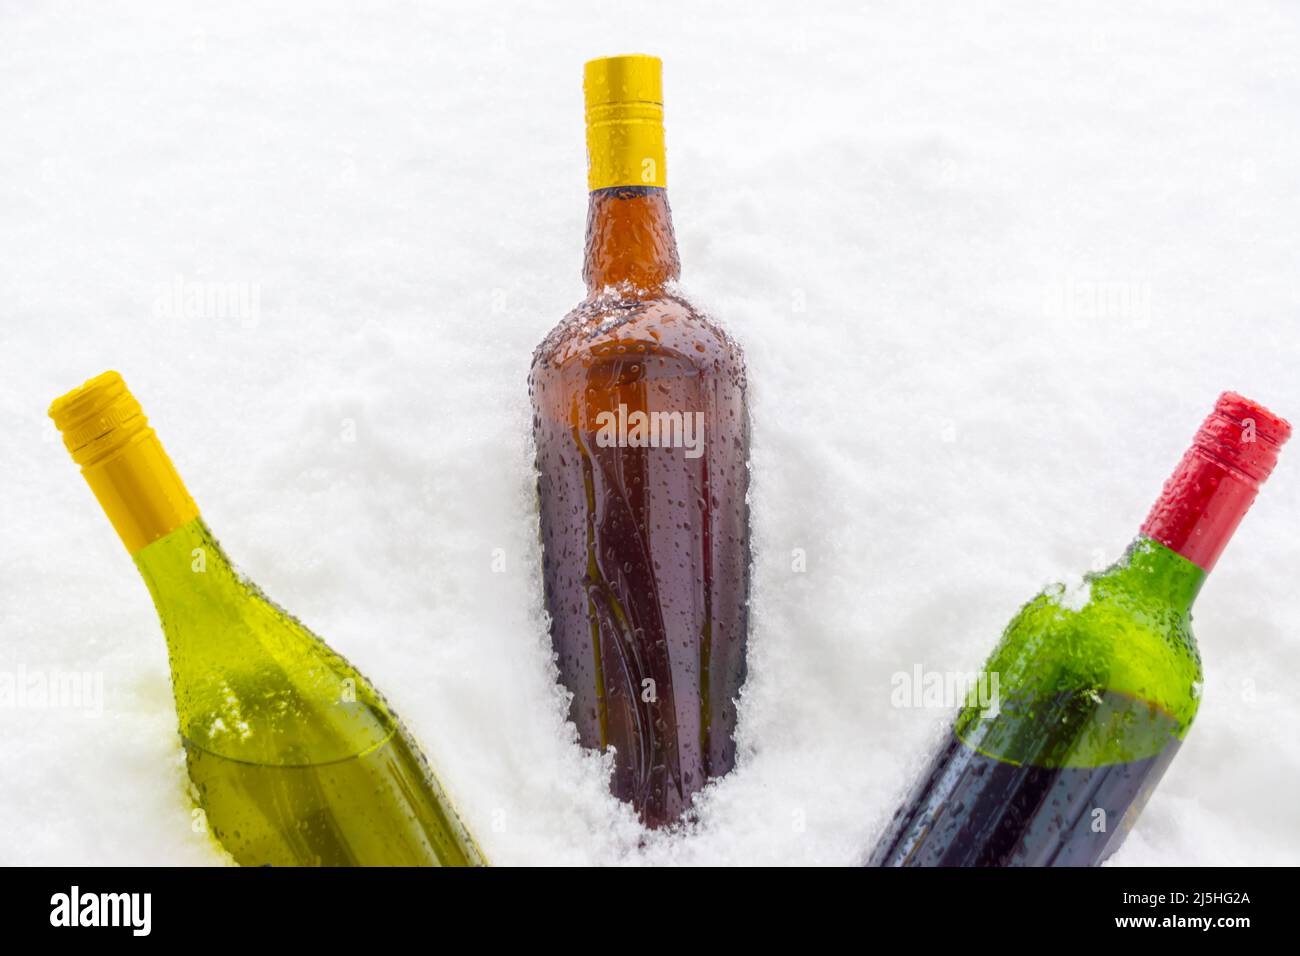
[(1096, 690)]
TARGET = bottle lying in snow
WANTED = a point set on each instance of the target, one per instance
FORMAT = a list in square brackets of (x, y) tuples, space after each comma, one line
[(1096, 690), (296, 758), (642, 438)]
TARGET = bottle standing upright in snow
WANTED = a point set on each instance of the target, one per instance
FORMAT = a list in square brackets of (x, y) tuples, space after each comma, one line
[(296, 759), (642, 440), (1096, 689)]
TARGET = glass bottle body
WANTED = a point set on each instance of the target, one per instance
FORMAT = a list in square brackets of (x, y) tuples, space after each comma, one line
[(1080, 711), (296, 759), (642, 437)]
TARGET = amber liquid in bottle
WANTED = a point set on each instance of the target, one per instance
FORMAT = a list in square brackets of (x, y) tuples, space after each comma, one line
[(644, 520)]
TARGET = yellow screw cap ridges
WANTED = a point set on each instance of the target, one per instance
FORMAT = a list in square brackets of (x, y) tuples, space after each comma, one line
[(625, 121), (122, 460)]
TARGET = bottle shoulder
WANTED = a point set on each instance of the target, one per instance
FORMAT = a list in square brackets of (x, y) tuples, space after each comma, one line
[(1098, 638), (251, 681), (1105, 624), (664, 330), (1087, 676)]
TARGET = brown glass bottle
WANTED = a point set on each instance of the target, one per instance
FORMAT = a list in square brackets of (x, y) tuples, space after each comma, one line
[(641, 430)]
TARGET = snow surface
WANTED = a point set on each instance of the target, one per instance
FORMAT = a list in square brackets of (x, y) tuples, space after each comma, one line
[(991, 267)]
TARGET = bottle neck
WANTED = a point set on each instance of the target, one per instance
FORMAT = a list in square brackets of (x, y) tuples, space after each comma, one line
[(123, 461), (1213, 486), (1152, 569), (187, 567), (630, 241), (1199, 509)]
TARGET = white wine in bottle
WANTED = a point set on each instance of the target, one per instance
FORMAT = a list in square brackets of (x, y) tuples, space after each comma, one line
[(296, 758)]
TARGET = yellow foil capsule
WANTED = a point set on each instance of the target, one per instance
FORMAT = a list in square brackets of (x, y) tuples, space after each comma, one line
[(625, 121), (122, 460)]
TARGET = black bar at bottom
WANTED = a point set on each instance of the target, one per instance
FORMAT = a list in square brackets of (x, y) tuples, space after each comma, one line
[(699, 908)]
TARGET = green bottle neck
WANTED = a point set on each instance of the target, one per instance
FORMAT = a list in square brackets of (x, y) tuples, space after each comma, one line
[(1154, 571), (189, 566)]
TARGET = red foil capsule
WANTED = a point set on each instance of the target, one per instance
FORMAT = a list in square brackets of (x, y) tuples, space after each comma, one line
[(1215, 484)]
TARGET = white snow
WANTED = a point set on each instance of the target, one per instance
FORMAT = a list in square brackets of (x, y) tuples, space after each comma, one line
[(991, 265), (1073, 593)]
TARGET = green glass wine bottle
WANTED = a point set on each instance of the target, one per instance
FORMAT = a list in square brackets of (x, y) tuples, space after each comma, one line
[(295, 757), (1090, 693)]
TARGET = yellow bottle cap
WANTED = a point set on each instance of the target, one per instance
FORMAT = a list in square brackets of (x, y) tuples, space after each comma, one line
[(625, 121), (122, 460)]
